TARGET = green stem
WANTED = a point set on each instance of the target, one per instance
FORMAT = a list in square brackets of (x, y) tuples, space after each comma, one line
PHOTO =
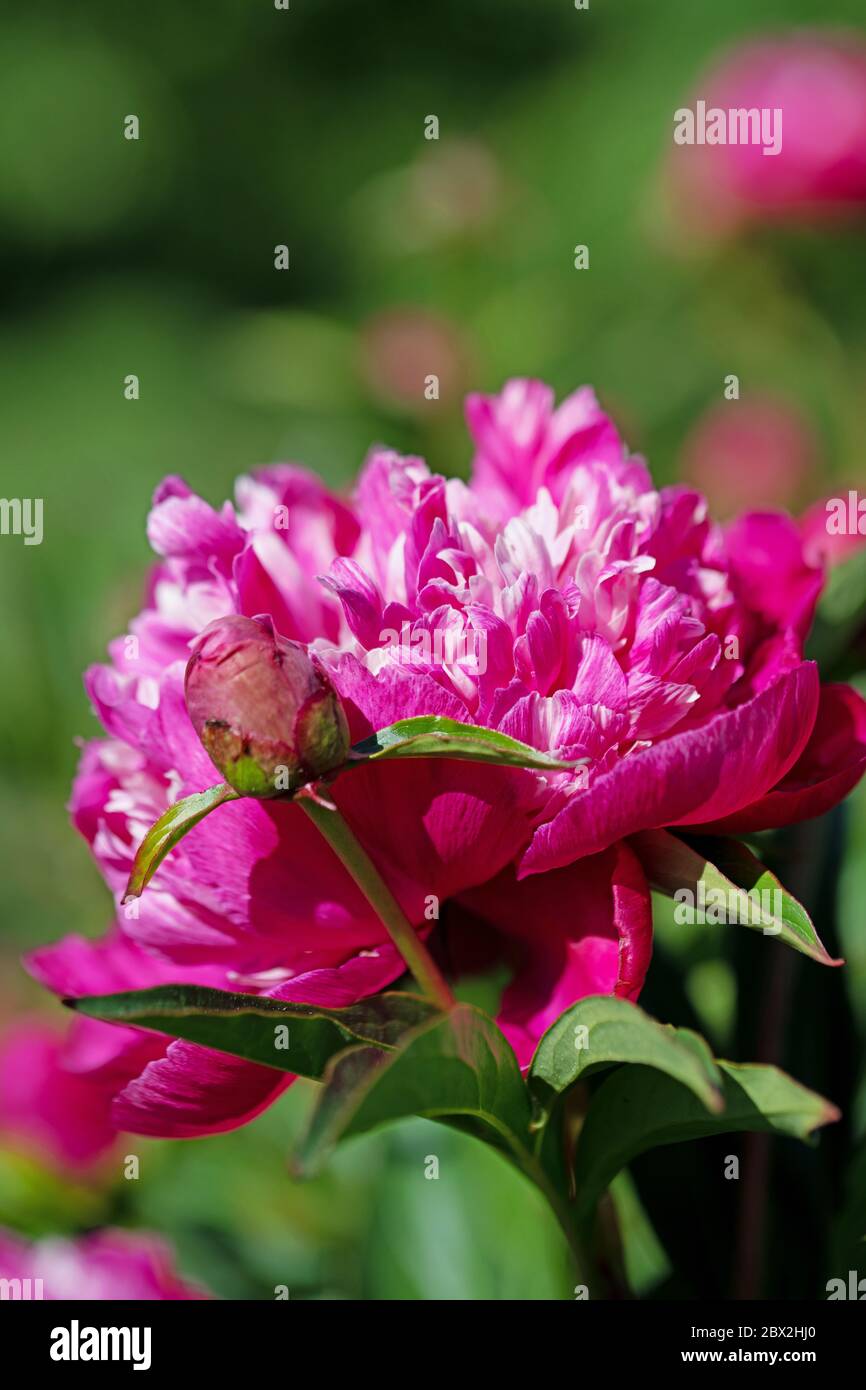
[(551, 1166), (354, 857), (564, 1211)]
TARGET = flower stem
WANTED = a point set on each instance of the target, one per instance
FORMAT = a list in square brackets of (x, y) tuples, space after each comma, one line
[(355, 859)]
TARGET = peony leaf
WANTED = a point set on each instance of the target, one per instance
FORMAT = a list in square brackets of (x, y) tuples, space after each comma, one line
[(600, 1031), (729, 880), (638, 1108), (457, 1068), (297, 1038), (169, 829), (433, 736)]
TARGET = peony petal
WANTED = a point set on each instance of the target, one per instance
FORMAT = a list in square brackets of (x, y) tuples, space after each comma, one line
[(585, 929), (76, 966), (364, 974), (271, 580), (690, 778), (361, 600), (765, 554), (829, 767), (468, 821), (193, 1091), (186, 527)]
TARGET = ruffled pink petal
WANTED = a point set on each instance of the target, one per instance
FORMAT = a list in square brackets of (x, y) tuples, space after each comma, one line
[(124, 704), (829, 767), (308, 502), (272, 580), (361, 600), (339, 986), (690, 778), (193, 1091), (509, 431), (384, 499), (76, 966), (580, 432), (523, 444), (765, 554), (188, 528)]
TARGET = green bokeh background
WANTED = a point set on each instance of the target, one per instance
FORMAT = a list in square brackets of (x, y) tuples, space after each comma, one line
[(156, 257)]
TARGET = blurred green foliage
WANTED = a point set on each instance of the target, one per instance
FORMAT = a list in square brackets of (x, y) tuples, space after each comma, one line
[(155, 257)]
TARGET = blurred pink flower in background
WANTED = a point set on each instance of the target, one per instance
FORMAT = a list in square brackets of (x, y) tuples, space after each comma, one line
[(754, 453), (46, 1107), (106, 1266), (456, 189), (818, 80), (450, 194), (400, 348)]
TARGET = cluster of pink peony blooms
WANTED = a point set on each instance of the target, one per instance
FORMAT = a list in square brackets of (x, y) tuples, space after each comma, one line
[(620, 626)]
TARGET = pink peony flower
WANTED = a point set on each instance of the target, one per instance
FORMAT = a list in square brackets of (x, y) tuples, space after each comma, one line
[(818, 81), (558, 597), (46, 1106), (106, 1266)]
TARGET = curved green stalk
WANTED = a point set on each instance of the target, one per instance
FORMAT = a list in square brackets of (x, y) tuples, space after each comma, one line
[(354, 857)]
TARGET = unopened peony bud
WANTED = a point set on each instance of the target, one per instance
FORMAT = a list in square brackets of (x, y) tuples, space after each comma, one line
[(268, 718)]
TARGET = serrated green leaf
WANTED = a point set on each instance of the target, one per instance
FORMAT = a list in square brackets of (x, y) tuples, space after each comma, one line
[(638, 1108), (433, 736), (169, 829), (601, 1031), (248, 1026), (457, 1068), (724, 872)]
